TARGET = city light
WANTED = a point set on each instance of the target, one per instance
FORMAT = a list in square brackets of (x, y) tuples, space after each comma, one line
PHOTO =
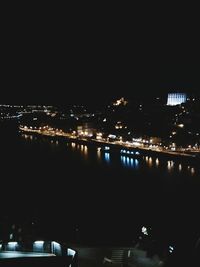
[(99, 136), (180, 125), (171, 249), (176, 99), (113, 136), (144, 230), (143, 144), (39, 242), (120, 101)]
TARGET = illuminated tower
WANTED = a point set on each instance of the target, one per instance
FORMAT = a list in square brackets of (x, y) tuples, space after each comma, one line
[(174, 99)]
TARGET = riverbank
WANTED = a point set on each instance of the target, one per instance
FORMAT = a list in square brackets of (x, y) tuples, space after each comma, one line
[(124, 148)]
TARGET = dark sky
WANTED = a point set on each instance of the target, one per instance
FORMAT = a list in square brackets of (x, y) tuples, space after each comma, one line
[(89, 60)]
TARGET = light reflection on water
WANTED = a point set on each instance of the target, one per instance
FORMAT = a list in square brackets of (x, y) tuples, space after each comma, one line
[(130, 162), (180, 167), (84, 150), (73, 145), (29, 137), (98, 153), (150, 162), (192, 171), (157, 162), (170, 165), (126, 160), (107, 157), (160, 178)]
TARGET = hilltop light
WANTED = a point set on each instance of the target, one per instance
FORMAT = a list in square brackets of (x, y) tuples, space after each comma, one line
[(181, 125), (120, 101)]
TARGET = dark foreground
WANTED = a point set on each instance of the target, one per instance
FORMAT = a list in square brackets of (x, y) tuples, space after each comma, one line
[(33, 261)]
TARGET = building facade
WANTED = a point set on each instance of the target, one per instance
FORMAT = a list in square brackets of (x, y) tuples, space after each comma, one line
[(174, 99)]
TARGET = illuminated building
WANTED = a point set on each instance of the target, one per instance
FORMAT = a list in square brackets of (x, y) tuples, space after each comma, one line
[(174, 99), (120, 101), (86, 129)]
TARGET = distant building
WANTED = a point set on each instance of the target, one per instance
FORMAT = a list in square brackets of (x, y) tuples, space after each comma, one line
[(174, 99), (120, 101), (86, 129)]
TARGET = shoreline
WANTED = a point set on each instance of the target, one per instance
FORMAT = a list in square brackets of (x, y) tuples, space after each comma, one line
[(113, 146)]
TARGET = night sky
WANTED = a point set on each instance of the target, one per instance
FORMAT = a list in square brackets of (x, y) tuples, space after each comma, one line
[(68, 61)]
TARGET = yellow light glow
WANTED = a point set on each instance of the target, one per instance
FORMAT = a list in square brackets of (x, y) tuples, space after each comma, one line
[(157, 162), (73, 145), (192, 170), (181, 125), (150, 162)]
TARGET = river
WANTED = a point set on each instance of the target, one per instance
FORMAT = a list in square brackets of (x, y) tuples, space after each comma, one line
[(78, 192)]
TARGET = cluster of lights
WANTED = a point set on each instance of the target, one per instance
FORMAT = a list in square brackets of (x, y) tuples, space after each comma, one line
[(8, 116), (129, 152), (143, 141), (11, 106), (120, 101), (118, 126), (44, 128), (151, 143), (130, 162), (85, 133), (99, 136)]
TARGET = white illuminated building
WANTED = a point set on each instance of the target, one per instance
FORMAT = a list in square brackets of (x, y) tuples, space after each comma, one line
[(174, 99)]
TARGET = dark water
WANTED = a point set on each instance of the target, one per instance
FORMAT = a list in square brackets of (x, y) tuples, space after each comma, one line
[(64, 186)]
